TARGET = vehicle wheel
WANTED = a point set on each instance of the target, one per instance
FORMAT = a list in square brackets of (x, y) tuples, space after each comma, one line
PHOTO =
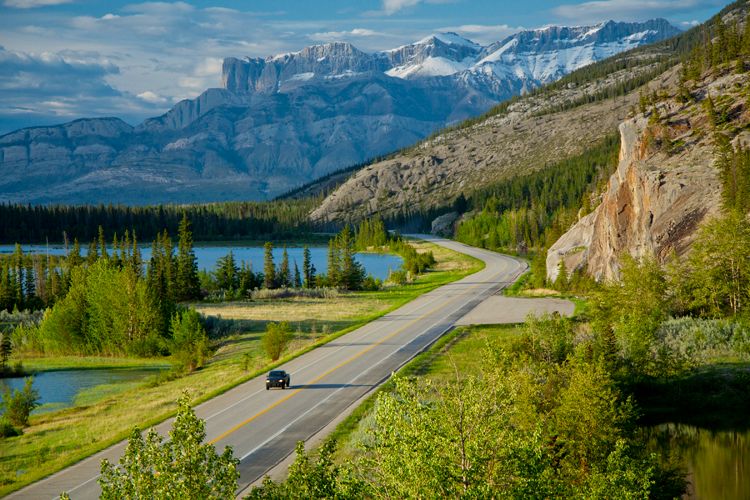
[(283, 386), (266, 387)]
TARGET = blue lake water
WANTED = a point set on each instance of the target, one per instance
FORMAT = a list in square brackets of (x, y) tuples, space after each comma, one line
[(379, 265), (59, 388)]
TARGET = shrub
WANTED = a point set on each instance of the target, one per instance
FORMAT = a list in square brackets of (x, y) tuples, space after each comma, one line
[(685, 343), (182, 466), (189, 339), (276, 339), (7, 429), (19, 404)]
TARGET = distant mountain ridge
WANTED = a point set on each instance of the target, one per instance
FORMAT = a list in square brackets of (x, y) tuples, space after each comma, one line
[(287, 119)]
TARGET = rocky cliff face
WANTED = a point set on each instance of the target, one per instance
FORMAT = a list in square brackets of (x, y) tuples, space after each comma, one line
[(285, 120), (665, 185)]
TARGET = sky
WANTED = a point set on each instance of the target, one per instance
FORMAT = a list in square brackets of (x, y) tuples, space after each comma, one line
[(66, 59)]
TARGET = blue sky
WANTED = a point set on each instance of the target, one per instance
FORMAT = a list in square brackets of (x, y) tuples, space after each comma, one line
[(66, 59)]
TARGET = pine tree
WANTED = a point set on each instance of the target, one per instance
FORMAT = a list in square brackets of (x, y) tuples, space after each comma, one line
[(186, 281), (269, 268), (284, 277), (92, 255), (102, 244), (334, 263), (308, 270), (227, 273), (74, 257), (297, 276), (7, 296), (351, 273)]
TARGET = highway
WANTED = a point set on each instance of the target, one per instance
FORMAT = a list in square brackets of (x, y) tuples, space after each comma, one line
[(263, 426)]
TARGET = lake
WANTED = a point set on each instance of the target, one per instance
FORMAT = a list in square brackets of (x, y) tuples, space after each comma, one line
[(58, 389), (379, 265), (717, 462)]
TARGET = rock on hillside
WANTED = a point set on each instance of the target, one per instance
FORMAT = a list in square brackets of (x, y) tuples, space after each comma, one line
[(664, 187), (523, 139)]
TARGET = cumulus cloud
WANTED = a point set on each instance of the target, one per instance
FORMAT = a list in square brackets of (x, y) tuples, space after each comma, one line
[(51, 87), (328, 36), (32, 4), (599, 10), (393, 6), (152, 97)]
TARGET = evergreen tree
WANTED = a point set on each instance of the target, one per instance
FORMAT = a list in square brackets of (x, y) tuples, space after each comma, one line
[(92, 255), (102, 244), (7, 295), (297, 276), (269, 268), (308, 269), (334, 263), (227, 273), (351, 272), (284, 277), (74, 257), (187, 283)]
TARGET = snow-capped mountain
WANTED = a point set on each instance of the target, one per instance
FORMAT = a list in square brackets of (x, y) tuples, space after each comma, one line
[(287, 119), (534, 57)]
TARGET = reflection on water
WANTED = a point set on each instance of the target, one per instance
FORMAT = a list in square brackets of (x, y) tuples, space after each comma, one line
[(379, 265), (59, 388), (717, 462)]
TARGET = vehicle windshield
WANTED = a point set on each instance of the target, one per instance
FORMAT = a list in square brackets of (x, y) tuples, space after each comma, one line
[(277, 374)]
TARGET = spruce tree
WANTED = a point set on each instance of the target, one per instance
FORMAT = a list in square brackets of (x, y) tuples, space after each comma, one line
[(186, 281), (269, 268), (74, 257), (308, 270), (227, 273), (297, 276), (284, 274), (102, 244), (334, 263)]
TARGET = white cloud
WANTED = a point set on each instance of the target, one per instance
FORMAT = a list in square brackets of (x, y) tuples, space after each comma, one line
[(32, 4), (328, 36), (599, 10), (152, 97), (393, 6), (690, 24)]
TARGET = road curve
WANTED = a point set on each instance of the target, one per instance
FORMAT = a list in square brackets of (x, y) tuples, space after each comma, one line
[(263, 426)]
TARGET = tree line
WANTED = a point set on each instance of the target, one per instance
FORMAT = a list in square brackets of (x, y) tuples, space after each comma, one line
[(216, 221)]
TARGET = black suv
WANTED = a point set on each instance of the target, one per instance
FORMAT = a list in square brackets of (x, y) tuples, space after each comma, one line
[(277, 378)]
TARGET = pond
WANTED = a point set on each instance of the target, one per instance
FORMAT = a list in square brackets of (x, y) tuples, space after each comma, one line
[(717, 462), (379, 265), (59, 389)]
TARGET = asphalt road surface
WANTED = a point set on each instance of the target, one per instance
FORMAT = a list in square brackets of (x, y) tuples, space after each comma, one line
[(263, 426)]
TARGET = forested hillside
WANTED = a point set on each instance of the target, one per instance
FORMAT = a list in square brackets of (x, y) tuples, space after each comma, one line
[(218, 221)]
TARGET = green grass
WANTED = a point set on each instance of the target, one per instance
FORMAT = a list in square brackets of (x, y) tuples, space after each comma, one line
[(56, 363), (105, 415), (520, 284)]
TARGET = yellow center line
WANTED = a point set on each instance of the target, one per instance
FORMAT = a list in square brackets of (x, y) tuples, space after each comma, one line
[(343, 363)]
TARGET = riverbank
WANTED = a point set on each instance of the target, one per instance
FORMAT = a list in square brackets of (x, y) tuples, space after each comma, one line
[(63, 437)]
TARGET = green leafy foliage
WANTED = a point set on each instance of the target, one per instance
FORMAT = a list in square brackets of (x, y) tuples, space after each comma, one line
[(189, 339), (319, 478), (276, 339), (18, 405), (180, 467)]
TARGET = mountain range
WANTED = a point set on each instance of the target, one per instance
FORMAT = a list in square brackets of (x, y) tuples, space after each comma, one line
[(282, 121)]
